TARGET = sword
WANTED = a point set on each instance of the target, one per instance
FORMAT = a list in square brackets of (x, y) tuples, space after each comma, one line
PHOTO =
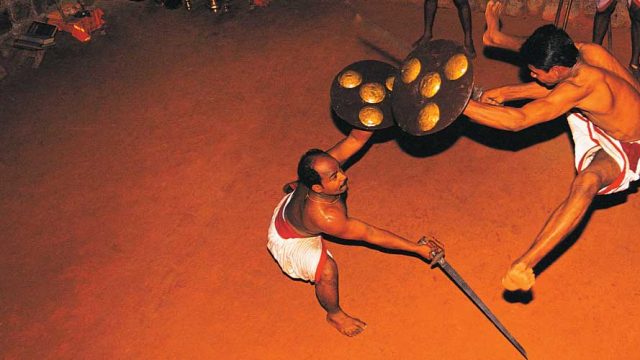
[(380, 39), (437, 259), (377, 37)]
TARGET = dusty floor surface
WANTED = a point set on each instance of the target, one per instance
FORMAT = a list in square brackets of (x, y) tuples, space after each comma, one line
[(139, 172)]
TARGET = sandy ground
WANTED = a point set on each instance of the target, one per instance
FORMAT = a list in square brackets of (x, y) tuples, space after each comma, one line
[(139, 173)]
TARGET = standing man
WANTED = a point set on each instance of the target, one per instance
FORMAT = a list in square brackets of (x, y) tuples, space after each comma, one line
[(315, 207), (464, 14), (602, 99), (602, 19)]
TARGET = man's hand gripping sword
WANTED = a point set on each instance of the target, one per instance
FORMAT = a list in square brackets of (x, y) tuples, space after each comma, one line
[(437, 259)]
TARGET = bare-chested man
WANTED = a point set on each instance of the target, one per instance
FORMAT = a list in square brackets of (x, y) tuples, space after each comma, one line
[(602, 100), (316, 207)]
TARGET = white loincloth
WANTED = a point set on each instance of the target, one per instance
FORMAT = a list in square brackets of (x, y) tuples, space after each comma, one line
[(300, 258), (588, 139)]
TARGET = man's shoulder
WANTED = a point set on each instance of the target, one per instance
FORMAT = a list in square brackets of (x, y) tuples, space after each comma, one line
[(590, 47), (327, 217), (594, 54), (598, 57)]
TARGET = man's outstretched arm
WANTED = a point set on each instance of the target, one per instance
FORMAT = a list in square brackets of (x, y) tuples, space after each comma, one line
[(492, 35), (562, 99), (339, 224), (530, 90), (350, 145)]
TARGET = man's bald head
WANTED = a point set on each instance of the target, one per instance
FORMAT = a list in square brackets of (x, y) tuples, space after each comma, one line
[(306, 173)]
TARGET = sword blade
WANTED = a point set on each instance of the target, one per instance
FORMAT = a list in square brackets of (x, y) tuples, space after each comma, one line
[(380, 39), (377, 37), (459, 281)]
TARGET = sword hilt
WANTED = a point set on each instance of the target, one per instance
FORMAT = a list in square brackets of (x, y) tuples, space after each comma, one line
[(437, 249), (476, 92)]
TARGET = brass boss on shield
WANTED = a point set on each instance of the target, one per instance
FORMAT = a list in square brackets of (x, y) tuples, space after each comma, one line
[(360, 94), (389, 82), (350, 79), (429, 116), (410, 70), (456, 67), (370, 116), (430, 84), (437, 81), (372, 93)]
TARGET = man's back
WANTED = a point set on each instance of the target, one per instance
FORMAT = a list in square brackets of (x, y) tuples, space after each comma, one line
[(596, 55), (611, 96)]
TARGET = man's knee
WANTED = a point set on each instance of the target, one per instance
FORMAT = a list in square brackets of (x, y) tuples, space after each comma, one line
[(329, 270), (587, 183)]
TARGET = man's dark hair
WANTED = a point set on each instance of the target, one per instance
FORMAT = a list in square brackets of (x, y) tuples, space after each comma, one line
[(306, 173), (549, 46)]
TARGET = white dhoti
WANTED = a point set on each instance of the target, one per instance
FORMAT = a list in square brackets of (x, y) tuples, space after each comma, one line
[(298, 257), (588, 139)]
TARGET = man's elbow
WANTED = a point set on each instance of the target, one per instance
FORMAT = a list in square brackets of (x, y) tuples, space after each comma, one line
[(515, 127), (517, 122), (506, 126)]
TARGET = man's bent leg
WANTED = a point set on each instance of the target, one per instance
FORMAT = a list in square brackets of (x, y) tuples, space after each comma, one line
[(328, 297), (464, 14), (493, 36), (602, 171)]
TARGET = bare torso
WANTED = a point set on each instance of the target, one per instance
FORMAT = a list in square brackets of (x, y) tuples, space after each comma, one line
[(599, 85), (611, 95), (300, 211)]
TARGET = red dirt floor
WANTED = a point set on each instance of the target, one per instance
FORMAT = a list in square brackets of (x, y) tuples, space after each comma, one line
[(139, 173)]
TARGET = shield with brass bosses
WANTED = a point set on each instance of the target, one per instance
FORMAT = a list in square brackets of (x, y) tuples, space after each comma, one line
[(433, 86), (360, 94)]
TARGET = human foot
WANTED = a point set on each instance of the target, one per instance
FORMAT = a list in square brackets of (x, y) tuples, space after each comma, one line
[(423, 40), (346, 324), (519, 277), (470, 50), (492, 18)]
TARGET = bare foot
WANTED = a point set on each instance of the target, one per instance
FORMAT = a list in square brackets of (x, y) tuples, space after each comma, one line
[(422, 41), (492, 18), (346, 324), (470, 50), (519, 277)]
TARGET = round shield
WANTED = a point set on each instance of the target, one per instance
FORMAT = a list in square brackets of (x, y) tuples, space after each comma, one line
[(433, 87), (360, 94)]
